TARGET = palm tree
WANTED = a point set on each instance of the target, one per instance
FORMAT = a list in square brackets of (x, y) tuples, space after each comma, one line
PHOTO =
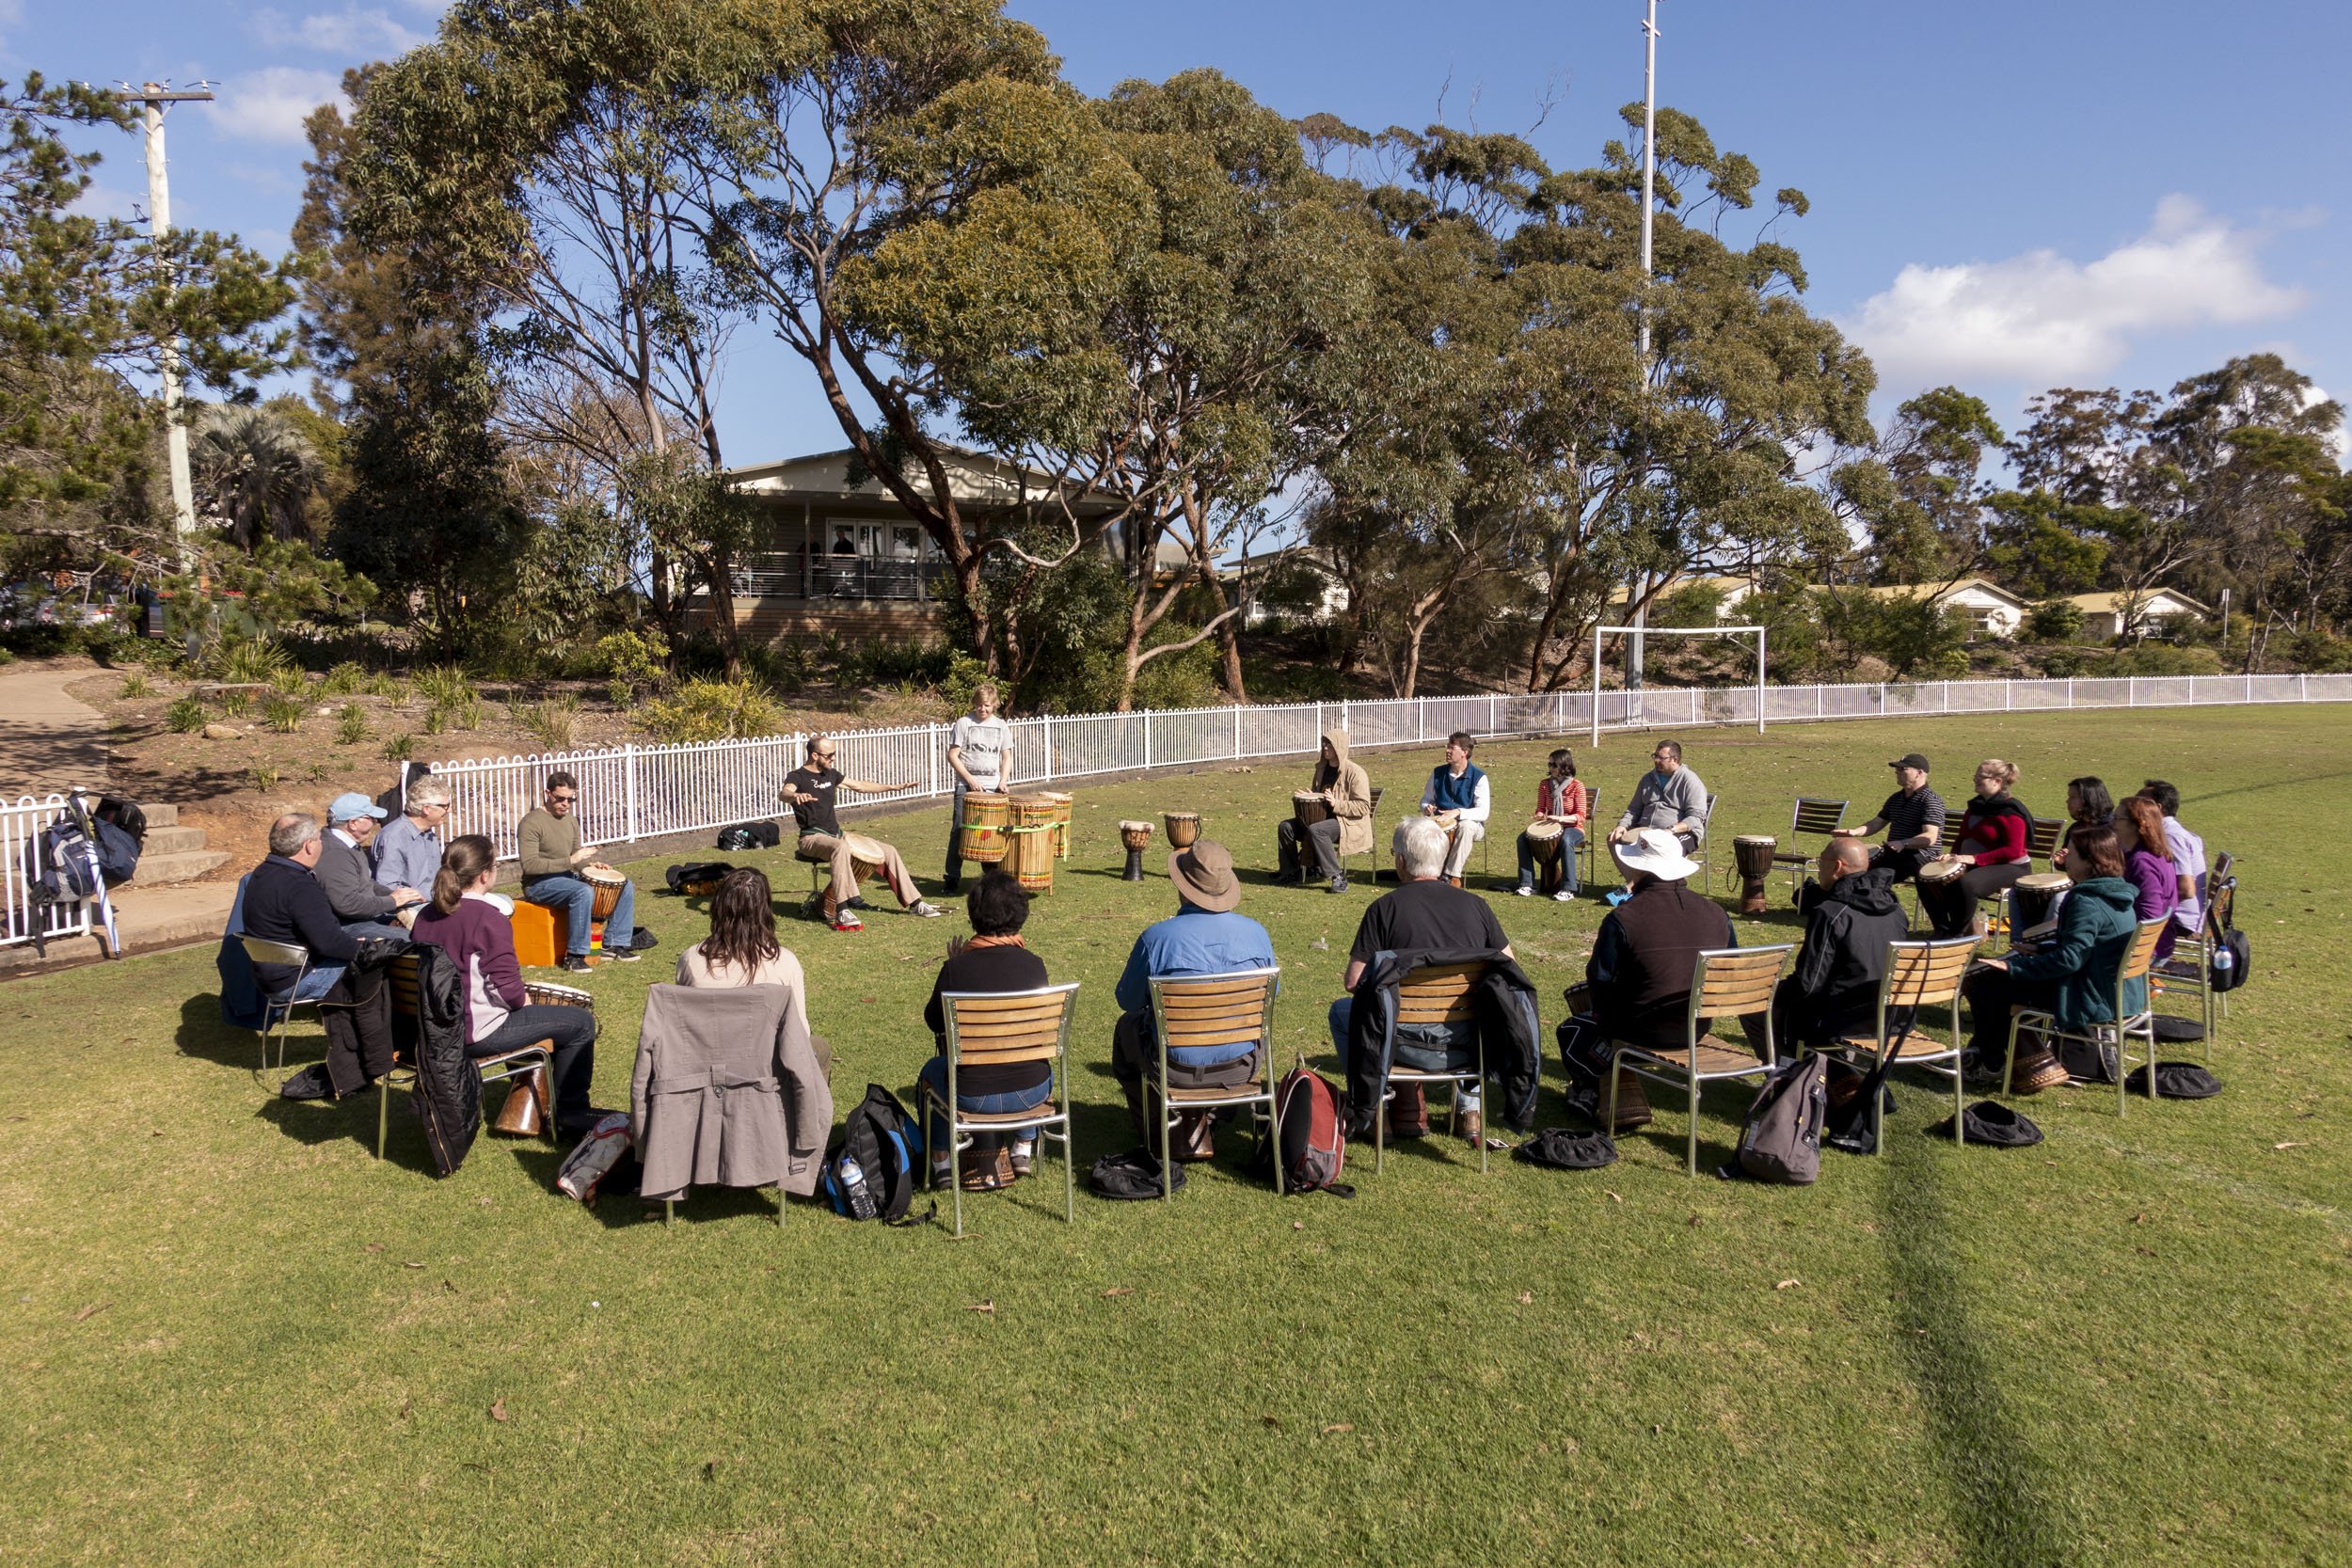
[(255, 471)]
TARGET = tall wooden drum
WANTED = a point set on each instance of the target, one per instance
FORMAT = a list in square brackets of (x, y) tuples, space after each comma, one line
[(607, 886), (1183, 828), (1032, 833), (1062, 805), (2034, 900), (1545, 843), (1754, 852), (1309, 807), (986, 815), (1134, 837)]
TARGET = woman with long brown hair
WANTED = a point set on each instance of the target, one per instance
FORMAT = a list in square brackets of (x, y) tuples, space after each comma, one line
[(2071, 975), (2148, 864), (468, 922), (742, 949)]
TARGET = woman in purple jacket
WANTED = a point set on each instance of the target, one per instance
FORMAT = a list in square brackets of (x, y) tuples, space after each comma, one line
[(468, 922), (2148, 864)]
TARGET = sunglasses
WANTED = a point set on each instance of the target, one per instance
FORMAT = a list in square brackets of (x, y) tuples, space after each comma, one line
[(562, 800)]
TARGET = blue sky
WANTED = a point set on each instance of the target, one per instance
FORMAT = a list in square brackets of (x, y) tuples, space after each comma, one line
[(2006, 196)]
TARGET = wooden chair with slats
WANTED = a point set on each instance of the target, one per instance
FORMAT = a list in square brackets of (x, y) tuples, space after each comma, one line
[(2041, 838), (401, 973), (1198, 1011), (997, 1029), (1815, 814), (2138, 955), (1919, 975), (1436, 994), (1593, 835), (1725, 983)]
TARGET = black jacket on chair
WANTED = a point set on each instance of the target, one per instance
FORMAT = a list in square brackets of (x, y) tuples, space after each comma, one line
[(448, 1097), (1505, 1004), (1836, 976)]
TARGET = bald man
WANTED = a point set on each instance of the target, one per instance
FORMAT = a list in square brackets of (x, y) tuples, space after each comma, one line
[(1834, 989)]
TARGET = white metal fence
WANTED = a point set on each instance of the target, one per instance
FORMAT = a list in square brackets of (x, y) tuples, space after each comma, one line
[(639, 792), (20, 921)]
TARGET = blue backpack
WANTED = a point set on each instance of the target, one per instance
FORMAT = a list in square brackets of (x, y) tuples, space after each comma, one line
[(871, 1162)]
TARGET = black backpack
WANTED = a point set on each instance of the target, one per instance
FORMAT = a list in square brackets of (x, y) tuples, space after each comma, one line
[(1133, 1176), (871, 1164), (2232, 959), (1782, 1139), (697, 879), (746, 836), (125, 815)]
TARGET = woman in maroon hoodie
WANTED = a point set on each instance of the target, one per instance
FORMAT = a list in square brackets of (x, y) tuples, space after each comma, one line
[(468, 922), (1992, 845)]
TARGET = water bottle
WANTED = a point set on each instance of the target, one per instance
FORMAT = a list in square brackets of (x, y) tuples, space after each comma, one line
[(854, 1192), (2222, 960)]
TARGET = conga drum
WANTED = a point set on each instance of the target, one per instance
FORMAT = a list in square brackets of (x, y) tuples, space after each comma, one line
[(1754, 852), (2034, 901), (1062, 804), (1134, 835), (528, 1110), (1545, 841), (1183, 828), (986, 815), (1032, 833)]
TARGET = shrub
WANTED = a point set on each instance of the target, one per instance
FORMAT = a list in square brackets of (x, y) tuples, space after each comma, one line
[(399, 748), (284, 714), (136, 684), (287, 682), (2054, 620), (265, 777), (633, 658), (467, 712), (436, 720), (443, 685), (382, 685), (351, 724), (2064, 663), (184, 717), (705, 709), (345, 680), (2162, 659), (550, 723), (249, 662), (234, 703)]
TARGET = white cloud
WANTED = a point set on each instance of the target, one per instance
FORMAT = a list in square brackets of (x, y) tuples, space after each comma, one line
[(99, 200), (270, 105), (355, 33), (2044, 320)]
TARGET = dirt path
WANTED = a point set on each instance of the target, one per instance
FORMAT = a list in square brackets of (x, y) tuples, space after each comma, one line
[(48, 740)]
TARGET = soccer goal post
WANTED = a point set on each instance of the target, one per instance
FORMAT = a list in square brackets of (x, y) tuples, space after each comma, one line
[(1634, 717)]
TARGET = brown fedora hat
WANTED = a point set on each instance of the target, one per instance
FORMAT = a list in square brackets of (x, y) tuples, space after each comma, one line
[(1204, 876)]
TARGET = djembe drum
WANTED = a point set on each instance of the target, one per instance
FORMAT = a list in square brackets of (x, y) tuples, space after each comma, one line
[(607, 886), (1136, 836), (986, 815), (867, 857), (1545, 843), (1309, 807), (1183, 828), (1032, 833), (2034, 901), (528, 1109), (1754, 852)]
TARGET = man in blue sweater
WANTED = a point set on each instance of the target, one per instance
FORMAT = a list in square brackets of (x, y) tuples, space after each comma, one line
[(1203, 937), (284, 902), (1458, 797)]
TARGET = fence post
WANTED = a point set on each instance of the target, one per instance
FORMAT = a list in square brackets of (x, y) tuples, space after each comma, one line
[(1236, 732), (628, 778), (1048, 728), (1494, 715), (1147, 738), (1344, 728), (2131, 691), (2009, 694), (2302, 687), (2070, 692), (931, 754)]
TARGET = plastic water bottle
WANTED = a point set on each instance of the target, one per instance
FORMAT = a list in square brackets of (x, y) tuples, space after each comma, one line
[(854, 1191), (2223, 961)]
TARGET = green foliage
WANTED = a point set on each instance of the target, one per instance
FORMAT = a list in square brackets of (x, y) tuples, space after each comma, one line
[(248, 661), (705, 709), (2163, 658), (233, 704), (1915, 636), (345, 680), (284, 714), (263, 777), (1694, 604), (633, 657), (399, 748), (2054, 620), (135, 684), (185, 715), (2041, 548), (442, 685), (436, 720), (254, 469), (288, 682), (549, 722), (351, 724), (286, 582)]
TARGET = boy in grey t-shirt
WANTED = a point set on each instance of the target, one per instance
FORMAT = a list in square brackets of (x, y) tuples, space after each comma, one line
[(976, 746)]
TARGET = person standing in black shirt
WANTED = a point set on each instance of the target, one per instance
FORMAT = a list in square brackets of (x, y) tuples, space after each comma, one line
[(811, 790), (1912, 817)]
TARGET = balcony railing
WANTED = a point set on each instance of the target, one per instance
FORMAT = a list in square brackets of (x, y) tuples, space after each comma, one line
[(795, 575)]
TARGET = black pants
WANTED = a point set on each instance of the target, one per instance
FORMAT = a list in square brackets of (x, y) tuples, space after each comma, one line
[(1904, 863), (1799, 1021), (356, 1013), (1324, 836), (573, 1033), (1952, 906), (1990, 993), (1135, 1058)]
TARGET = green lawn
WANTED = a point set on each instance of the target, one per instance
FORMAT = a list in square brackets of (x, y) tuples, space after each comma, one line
[(228, 1334)]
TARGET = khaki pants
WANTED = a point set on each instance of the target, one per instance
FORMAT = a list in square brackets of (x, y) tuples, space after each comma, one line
[(1466, 836), (844, 875)]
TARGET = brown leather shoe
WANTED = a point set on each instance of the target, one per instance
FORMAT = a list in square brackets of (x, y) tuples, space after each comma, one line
[(1409, 1113), (1471, 1126), (1193, 1138)]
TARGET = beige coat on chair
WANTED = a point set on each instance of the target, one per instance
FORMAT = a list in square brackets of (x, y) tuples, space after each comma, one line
[(728, 1091)]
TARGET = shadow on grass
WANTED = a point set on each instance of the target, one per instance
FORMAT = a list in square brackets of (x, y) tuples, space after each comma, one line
[(2003, 1517), (204, 1034)]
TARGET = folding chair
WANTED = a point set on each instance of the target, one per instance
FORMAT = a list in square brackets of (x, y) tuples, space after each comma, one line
[(2189, 966), (1435, 994), (2133, 966), (1725, 982), (994, 1029), (1817, 815), (1594, 833), (278, 1010), (1706, 844), (1235, 1007), (1919, 975), (401, 974)]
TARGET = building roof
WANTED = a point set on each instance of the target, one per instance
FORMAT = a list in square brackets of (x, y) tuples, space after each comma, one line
[(972, 476), (2112, 604), (1947, 590)]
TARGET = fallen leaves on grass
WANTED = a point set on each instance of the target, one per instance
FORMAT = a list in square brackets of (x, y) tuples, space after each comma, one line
[(1527, 1298), (1613, 1197), (1787, 1284), (1120, 1291), (372, 1247), (1337, 1426), (988, 1306), (91, 1310), (1269, 1418), (412, 1265), (2291, 1143), (497, 1410)]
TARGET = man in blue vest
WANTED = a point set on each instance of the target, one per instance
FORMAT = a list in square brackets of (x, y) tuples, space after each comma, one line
[(1457, 796)]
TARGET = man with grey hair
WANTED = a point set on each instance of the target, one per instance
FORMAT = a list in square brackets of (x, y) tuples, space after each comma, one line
[(408, 849), (1425, 912), (281, 901)]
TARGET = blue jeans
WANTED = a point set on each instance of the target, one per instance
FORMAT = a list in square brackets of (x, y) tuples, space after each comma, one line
[(934, 1076), (316, 982), (577, 900), (1345, 1009), (1572, 840)]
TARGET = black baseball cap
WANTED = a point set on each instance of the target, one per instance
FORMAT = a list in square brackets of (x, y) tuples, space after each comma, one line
[(1909, 759)]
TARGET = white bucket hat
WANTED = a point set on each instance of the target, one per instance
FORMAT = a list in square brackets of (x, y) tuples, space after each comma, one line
[(1655, 852)]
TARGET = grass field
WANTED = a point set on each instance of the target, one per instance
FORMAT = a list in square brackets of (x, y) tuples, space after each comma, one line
[(228, 1334)]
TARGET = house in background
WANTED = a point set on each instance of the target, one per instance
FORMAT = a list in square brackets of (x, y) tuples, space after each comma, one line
[(2105, 617), (834, 555), (1989, 609), (1296, 580)]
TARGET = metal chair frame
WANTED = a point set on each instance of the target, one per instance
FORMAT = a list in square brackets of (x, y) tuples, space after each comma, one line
[(2135, 966), (278, 1013), (401, 974), (1725, 982), (1817, 815), (1371, 851), (1003, 1027), (1436, 993), (1225, 1009), (1919, 975), (2190, 967)]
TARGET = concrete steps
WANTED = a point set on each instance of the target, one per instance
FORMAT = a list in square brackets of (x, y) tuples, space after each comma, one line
[(173, 853)]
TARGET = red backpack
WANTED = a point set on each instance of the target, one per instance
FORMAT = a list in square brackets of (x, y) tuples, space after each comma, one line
[(1307, 1138)]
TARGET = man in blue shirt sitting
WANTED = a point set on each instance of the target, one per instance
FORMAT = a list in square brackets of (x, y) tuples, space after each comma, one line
[(1203, 937)]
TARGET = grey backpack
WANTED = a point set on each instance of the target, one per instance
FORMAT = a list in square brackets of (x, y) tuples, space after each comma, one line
[(1781, 1140)]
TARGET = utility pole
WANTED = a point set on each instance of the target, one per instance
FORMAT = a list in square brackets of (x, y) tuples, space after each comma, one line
[(153, 96), (1649, 182)]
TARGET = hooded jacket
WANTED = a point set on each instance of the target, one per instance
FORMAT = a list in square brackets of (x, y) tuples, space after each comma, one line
[(1844, 958), (1351, 795), (2095, 928), (728, 1090), (1505, 1002)]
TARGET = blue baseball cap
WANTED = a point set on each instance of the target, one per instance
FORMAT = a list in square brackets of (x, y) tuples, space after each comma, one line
[(352, 804)]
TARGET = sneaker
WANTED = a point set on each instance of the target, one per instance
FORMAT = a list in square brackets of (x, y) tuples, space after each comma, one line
[(311, 1083), (1565, 896), (1024, 1156), (929, 911), (576, 962), (943, 1172), (623, 955), (1338, 883), (1525, 890), (846, 920)]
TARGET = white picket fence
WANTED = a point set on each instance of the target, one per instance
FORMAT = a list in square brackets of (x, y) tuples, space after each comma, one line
[(19, 920), (638, 792)]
